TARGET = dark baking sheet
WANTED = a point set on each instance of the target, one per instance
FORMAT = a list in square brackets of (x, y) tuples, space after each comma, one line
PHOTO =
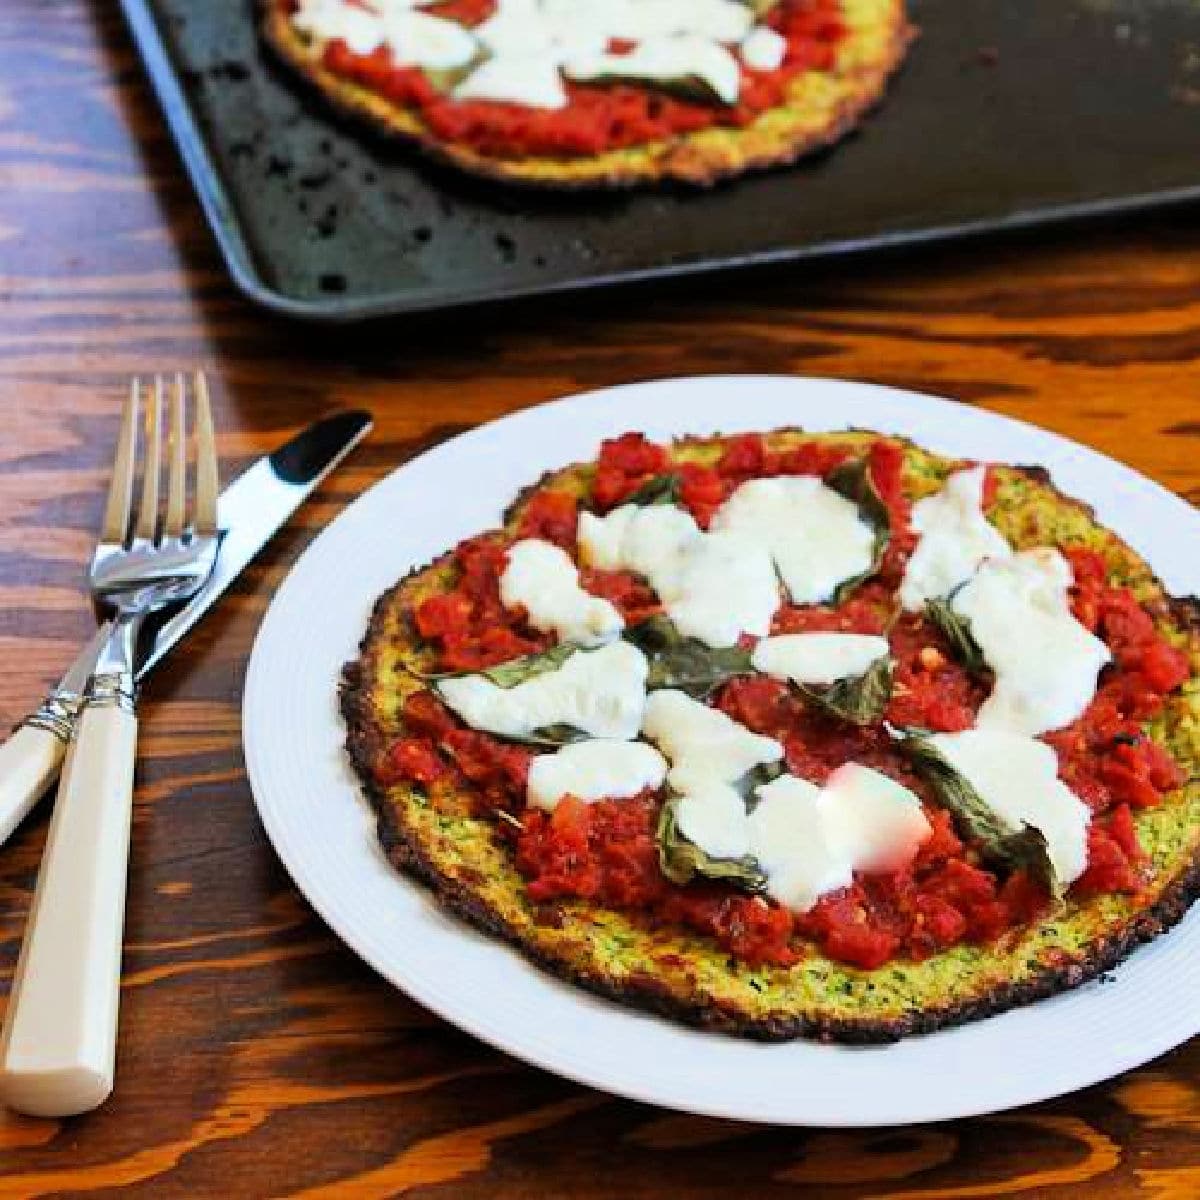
[(1009, 113)]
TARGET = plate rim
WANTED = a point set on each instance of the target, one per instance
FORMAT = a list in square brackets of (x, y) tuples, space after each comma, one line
[(624, 1084)]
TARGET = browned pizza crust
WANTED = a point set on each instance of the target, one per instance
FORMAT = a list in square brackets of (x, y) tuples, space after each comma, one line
[(822, 107), (616, 956)]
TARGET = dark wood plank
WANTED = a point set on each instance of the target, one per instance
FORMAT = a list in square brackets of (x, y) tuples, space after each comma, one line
[(258, 1056)]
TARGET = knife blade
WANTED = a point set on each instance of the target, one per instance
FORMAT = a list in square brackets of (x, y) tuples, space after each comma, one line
[(257, 504), (249, 512)]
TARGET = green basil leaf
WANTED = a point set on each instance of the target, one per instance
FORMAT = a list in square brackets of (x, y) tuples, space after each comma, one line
[(758, 777), (521, 670), (548, 737), (957, 631), (861, 699), (997, 839), (683, 662), (760, 8), (681, 861), (691, 88), (446, 79), (509, 674), (660, 489), (853, 481)]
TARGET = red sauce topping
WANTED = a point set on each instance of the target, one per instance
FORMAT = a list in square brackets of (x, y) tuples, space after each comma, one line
[(606, 853), (597, 117)]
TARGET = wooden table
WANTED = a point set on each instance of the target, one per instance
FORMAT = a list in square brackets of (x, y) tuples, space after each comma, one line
[(258, 1056)]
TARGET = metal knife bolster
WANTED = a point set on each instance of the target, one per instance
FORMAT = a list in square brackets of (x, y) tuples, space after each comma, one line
[(56, 714)]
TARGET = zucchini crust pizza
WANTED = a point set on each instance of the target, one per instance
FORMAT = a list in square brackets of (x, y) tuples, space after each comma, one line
[(791, 734), (568, 94)]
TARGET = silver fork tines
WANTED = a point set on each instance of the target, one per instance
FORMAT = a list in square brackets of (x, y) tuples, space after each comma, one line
[(145, 561)]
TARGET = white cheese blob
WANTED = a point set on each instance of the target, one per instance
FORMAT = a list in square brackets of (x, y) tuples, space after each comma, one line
[(360, 29), (599, 692), (719, 587), (877, 823), (818, 658), (1045, 662), (541, 578), (720, 20), (763, 49), (816, 536), (517, 27), (810, 840), (415, 38), (529, 79), (704, 744), (790, 841), (594, 770), (525, 46), (663, 60), (956, 537), (636, 538), (418, 39), (1017, 777), (712, 815), (714, 586)]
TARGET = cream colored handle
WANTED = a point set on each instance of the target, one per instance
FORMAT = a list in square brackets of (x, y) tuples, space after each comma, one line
[(29, 761), (58, 1047)]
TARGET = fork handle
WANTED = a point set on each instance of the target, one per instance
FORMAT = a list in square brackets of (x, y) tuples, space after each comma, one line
[(29, 761), (58, 1047)]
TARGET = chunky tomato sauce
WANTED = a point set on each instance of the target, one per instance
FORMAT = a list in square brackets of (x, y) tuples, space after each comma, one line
[(597, 117), (606, 852)]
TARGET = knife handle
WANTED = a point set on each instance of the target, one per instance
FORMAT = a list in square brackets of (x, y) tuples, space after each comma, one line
[(29, 762), (58, 1047)]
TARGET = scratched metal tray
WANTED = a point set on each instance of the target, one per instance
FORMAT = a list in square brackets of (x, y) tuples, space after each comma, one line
[(1007, 114)]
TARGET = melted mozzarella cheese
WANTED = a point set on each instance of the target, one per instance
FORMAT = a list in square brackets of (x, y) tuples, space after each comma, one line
[(526, 45), (516, 27), (594, 770), (726, 21), (792, 846), (330, 20), (418, 39), (1017, 777), (816, 536), (540, 577), (818, 658), (415, 38), (529, 79), (809, 840), (956, 537), (599, 692), (704, 744), (1045, 662), (663, 60), (635, 538), (712, 815), (877, 823), (763, 49), (718, 588), (714, 586)]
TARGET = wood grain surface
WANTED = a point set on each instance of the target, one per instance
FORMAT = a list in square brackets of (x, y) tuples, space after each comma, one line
[(259, 1057)]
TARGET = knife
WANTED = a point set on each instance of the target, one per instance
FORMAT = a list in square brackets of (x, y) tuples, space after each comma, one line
[(249, 512)]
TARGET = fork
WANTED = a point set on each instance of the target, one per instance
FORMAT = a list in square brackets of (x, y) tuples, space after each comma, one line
[(57, 1050)]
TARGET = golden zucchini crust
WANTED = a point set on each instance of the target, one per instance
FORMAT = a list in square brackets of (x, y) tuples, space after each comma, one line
[(435, 839), (821, 108)]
